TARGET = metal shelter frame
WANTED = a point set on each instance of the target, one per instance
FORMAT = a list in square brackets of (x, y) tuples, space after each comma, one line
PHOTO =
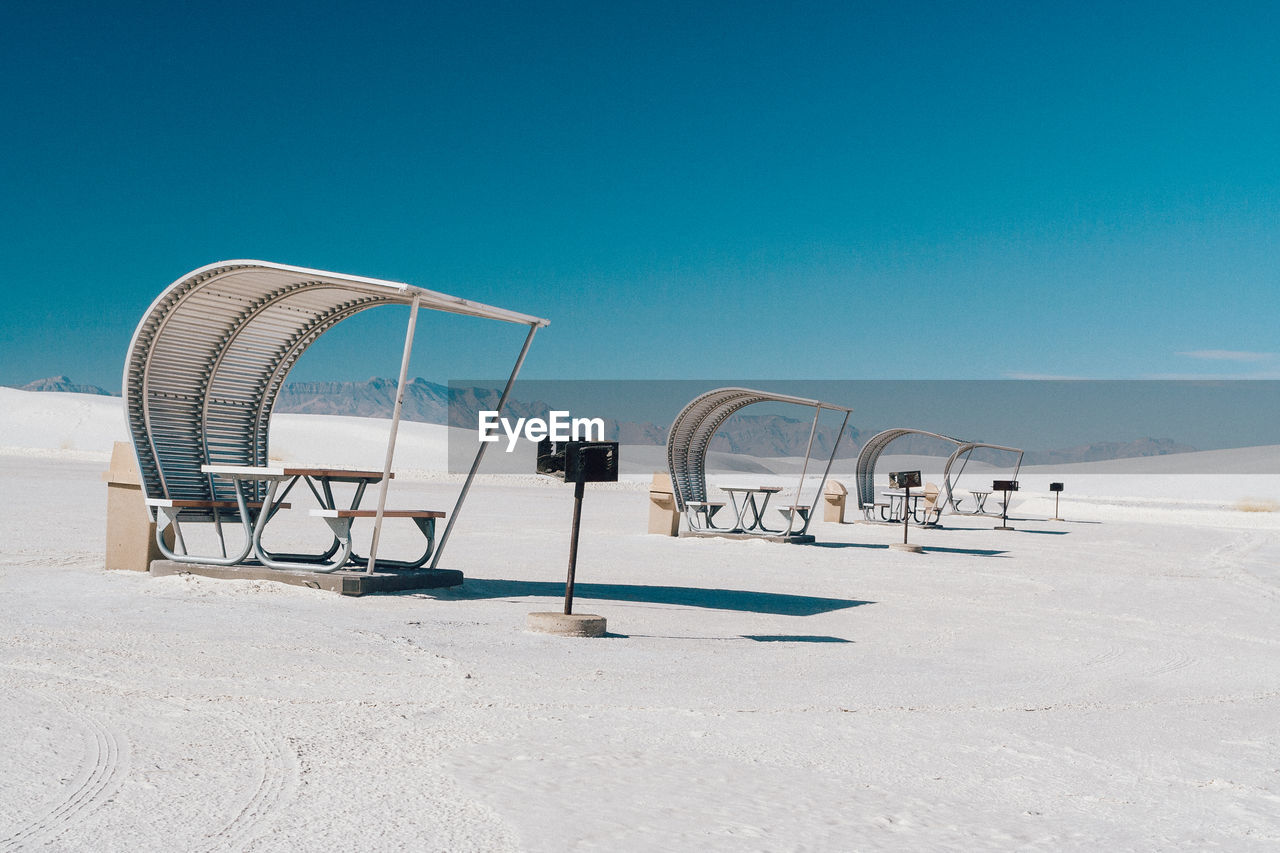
[(691, 433), (876, 445), (210, 355)]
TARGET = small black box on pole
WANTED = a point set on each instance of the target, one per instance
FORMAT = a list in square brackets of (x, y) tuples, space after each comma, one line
[(591, 462), (905, 480), (1056, 488), (1005, 486), (550, 458), (578, 461)]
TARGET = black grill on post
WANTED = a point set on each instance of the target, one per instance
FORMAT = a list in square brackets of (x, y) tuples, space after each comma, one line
[(577, 462), (905, 480), (591, 462), (550, 458), (1005, 486)]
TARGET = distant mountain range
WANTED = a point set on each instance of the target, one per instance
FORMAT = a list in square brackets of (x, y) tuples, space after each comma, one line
[(758, 435), (766, 436), (1103, 450), (433, 403), (754, 435), (62, 383)]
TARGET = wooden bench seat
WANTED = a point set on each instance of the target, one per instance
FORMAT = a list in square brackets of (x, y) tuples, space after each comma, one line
[(706, 509), (194, 504), (339, 521), (373, 513), (169, 510), (789, 512)]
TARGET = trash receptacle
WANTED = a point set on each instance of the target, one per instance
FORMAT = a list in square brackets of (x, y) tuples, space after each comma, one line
[(131, 534), (664, 518), (834, 496)]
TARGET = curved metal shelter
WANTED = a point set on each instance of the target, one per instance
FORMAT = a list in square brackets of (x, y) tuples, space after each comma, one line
[(691, 433), (876, 445), (212, 352)]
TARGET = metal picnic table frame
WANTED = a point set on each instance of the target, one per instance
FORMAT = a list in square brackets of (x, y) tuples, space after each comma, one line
[(320, 481), (898, 504), (749, 504)]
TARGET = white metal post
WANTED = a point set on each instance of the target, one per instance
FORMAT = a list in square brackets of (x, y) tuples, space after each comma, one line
[(791, 516), (826, 471), (484, 445), (391, 439)]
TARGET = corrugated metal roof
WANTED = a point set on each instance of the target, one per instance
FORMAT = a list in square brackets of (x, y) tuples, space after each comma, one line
[(210, 355)]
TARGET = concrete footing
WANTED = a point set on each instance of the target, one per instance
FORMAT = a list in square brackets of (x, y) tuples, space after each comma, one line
[(571, 625), (909, 547), (343, 582), (1003, 527)]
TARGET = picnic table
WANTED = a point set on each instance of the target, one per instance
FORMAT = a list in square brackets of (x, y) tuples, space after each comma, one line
[(980, 500), (747, 503), (898, 503), (320, 481)]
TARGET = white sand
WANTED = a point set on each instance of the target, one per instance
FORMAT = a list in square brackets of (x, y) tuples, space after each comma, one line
[(1112, 682)]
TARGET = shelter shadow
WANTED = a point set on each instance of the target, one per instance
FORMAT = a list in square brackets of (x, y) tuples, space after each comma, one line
[(776, 603), (794, 638), (1042, 532), (976, 552)]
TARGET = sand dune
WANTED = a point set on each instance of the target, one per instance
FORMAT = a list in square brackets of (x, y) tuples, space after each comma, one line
[(1109, 682)]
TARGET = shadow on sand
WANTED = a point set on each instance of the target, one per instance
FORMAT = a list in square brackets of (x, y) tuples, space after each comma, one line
[(757, 638), (1013, 522), (1041, 532), (794, 638), (975, 552), (779, 604)]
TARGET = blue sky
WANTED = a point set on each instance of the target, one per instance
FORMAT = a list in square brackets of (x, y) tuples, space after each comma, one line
[(826, 191)]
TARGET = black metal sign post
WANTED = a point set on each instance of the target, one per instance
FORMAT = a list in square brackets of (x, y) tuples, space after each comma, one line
[(578, 489), (1056, 488), (906, 512), (905, 480), (1006, 486), (577, 462)]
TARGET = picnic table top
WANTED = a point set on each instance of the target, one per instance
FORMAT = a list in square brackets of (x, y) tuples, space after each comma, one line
[(281, 472)]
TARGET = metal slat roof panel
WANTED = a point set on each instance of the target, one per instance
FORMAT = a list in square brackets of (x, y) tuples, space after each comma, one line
[(208, 359)]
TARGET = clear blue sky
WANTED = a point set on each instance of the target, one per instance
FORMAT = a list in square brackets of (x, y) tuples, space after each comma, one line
[(686, 190)]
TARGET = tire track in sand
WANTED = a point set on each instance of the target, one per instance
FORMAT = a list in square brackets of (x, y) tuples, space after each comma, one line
[(275, 782), (101, 772), (1231, 559), (1178, 659)]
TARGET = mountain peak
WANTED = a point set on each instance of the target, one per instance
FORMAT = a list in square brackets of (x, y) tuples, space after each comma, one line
[(64, 384)]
